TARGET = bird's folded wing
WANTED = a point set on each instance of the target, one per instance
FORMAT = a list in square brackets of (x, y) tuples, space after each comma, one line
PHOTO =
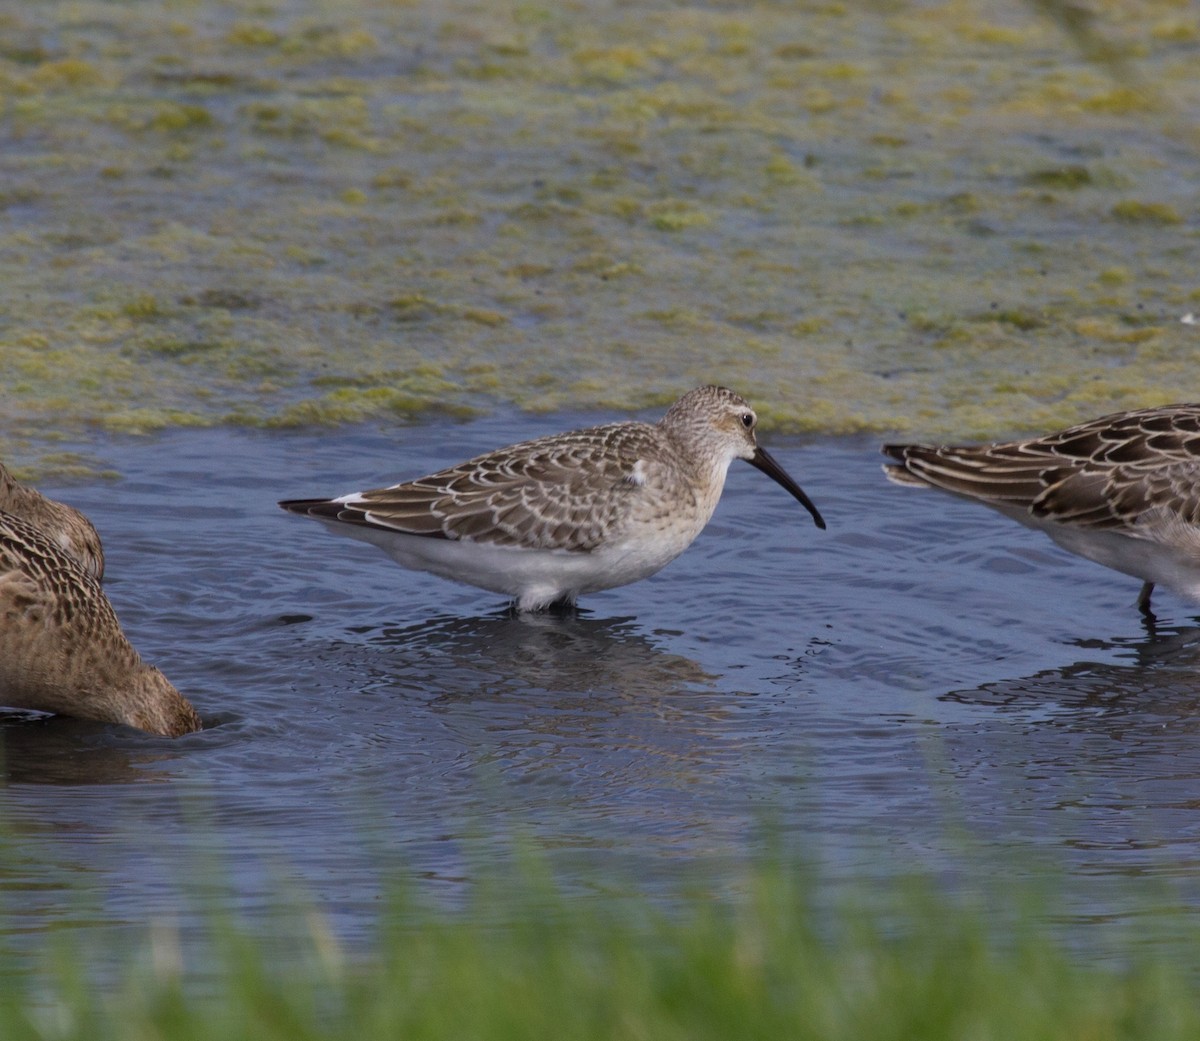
[(565, 496), (1132, 499)]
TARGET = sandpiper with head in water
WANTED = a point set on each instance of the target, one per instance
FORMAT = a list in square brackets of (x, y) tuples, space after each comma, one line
[(61, 647), (1122, 490), (548, 520)]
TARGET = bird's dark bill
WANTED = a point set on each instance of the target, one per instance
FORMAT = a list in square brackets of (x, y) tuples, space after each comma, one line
[(764, 462)]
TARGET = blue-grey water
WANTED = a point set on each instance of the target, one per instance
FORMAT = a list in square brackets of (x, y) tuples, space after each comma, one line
[(923, 687)]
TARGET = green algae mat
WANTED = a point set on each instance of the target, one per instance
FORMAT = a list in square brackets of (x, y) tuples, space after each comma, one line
[(948, 219)]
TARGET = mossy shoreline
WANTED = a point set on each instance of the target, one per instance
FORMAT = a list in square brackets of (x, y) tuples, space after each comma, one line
[(938, 221)]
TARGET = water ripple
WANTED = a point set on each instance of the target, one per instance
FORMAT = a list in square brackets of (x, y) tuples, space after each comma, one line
[(921, 683)]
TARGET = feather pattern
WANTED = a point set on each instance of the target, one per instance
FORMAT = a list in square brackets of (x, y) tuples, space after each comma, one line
[(63, 524), (551, 493), (1123, 489), (1106, 474)]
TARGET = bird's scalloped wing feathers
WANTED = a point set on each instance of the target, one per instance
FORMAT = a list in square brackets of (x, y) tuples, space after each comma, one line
[(41, 577), (1112, 473), (559, 492), (1129, 498), (974, 472)]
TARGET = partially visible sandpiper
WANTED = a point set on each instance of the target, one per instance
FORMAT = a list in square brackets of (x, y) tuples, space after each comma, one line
[(1122, 490), (61, 647), (62, 524), (545, 521)]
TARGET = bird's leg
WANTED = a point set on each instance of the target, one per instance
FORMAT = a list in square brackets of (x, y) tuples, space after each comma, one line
[(1143, 600)]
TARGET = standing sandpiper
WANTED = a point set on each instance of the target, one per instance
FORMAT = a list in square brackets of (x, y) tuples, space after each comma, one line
[(545, 521)]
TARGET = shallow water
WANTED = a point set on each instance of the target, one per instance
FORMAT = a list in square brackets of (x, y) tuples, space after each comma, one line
[(924, 686)]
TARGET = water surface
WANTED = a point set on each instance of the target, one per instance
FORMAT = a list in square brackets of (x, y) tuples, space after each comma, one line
[(923, 687)]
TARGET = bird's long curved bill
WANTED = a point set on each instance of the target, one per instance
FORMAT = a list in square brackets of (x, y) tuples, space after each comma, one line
[(766, 463)]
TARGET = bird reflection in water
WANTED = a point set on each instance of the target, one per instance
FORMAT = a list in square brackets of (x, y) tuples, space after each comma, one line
[(610, 657), (1148, 677), (593, 703), (59, 750)]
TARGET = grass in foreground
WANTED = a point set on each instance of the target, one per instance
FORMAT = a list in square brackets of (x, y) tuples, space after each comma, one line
[(540, 966)]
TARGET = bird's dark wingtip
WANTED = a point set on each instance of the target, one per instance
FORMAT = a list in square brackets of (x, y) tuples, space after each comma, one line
[(310, 507), (330, 510)]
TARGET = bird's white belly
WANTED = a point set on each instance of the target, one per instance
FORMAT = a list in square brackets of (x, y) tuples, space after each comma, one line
[(1168, 555), (534, 577)]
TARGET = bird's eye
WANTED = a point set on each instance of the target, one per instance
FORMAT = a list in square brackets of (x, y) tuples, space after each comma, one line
[(748, 420)]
